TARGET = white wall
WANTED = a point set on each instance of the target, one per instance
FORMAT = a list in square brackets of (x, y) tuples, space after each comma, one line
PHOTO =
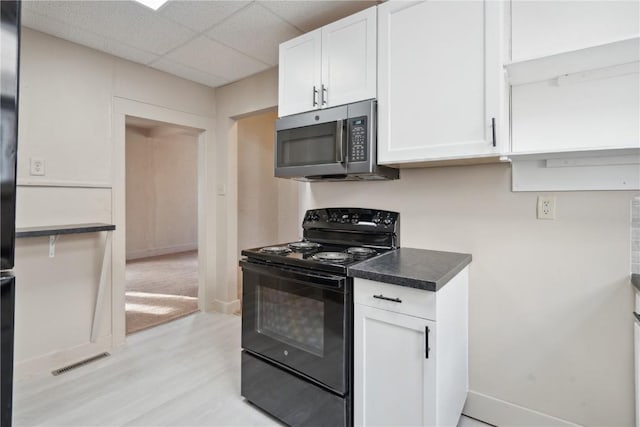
[(550, 302), (68, 93), (162, 179)]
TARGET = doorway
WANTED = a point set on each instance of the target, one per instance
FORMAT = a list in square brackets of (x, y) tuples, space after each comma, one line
[(161, 272)]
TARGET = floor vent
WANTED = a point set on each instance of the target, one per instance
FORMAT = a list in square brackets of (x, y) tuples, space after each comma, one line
[(78, 364)]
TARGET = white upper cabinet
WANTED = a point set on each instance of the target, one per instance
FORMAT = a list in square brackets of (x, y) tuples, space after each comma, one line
[(299, 74), (333, 65), (574, 76), (543, 28), (440, 81)]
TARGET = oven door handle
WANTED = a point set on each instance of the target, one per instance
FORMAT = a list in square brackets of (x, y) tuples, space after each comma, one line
[(308, 278)]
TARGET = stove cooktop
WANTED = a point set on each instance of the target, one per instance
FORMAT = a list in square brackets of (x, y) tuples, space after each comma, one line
[(313, 255)]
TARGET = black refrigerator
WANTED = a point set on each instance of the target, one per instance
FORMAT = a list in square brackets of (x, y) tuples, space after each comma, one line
[(9, 70)]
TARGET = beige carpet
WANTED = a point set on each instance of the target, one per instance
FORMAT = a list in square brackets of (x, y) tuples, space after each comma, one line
[(160, 289)]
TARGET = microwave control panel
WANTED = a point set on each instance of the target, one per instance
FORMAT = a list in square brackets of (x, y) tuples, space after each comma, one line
[(358, 139)]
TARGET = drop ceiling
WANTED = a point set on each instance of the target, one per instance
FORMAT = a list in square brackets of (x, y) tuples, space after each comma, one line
[(209, 42)]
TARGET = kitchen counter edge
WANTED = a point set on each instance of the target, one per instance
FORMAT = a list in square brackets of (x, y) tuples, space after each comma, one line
[(414, 268)]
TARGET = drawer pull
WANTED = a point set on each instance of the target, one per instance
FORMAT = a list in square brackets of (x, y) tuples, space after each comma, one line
[(387, 298)]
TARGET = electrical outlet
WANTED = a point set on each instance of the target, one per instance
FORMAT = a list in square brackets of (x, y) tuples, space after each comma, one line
[(546, 207), (37, 166)]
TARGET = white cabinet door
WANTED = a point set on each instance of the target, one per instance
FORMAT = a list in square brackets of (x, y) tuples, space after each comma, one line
[(333, 65), (299, 74), (394, 381), (540, 28), (349, 63), (440, 80)]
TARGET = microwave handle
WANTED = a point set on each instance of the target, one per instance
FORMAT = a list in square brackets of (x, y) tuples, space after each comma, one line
[(340, 141)]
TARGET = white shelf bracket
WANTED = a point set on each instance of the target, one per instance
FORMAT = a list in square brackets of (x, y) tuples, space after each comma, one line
[(52, 245)]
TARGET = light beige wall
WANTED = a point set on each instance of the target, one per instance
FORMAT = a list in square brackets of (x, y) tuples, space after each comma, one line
[(257, 187), (68, 94), (550, 304), (161, 195), (264, 201)]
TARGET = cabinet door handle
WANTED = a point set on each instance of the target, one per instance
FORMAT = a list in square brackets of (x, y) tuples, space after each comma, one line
[(426, 342), (387, 298), (323, 98), (315, 96), (493, 130)]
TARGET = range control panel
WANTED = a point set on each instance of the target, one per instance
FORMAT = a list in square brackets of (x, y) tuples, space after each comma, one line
[(331, 217), (358, 139)]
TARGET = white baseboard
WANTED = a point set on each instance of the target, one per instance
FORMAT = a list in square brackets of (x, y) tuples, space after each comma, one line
[(43, 365), (145, 253), (226, 307), (500, 413)]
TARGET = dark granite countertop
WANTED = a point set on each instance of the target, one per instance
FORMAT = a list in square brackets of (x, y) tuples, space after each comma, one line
[(415, 268), (635, 280), (52, 230)]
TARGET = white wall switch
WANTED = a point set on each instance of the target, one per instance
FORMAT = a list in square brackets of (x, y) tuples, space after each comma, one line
[(37, 166), (546, 207)]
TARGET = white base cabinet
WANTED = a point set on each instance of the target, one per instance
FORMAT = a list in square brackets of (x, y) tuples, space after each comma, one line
[(410, 353)]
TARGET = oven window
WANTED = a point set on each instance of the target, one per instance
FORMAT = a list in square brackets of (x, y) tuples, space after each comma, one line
[(293, 319), (310, 145)]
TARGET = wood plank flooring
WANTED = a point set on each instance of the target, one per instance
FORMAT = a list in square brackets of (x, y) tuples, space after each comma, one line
[(183, 373)]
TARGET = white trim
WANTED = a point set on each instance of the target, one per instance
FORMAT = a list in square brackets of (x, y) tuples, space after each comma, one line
[(145, 253), (123, 107), (61, 183), (500, 413), (226, 307)]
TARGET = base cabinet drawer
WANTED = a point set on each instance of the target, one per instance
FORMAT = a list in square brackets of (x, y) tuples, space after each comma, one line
[(399, 299)]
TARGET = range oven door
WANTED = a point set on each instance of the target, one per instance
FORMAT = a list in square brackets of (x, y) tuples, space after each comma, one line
[(300, 320), (311, 144)]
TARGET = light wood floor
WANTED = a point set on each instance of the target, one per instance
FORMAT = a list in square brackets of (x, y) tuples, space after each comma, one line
[(183, 373)]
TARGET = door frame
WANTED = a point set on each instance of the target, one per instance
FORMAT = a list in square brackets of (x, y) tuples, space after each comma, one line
[(206, 204)]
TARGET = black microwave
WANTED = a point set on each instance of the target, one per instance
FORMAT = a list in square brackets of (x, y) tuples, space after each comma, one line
[(332, 144)]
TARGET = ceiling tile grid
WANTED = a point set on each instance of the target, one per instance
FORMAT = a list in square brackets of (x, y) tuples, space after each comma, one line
[(211, 42), (70, 32), (209, 56), (255, 31), (200, 15)]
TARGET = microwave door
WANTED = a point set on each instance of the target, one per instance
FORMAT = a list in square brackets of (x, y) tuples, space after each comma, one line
[(313, 150)]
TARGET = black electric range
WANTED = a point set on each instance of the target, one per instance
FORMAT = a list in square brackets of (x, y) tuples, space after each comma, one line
[(297, 315)]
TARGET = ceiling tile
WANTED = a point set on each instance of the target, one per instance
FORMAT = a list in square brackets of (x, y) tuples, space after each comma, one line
[(188, 73), (255, 31), (200, 15), (214, 58), (65, 31), (124, 21), (308, 15)]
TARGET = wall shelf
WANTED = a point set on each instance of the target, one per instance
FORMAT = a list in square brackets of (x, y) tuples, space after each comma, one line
[(611, 169), (54, 230), (601, 61)]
